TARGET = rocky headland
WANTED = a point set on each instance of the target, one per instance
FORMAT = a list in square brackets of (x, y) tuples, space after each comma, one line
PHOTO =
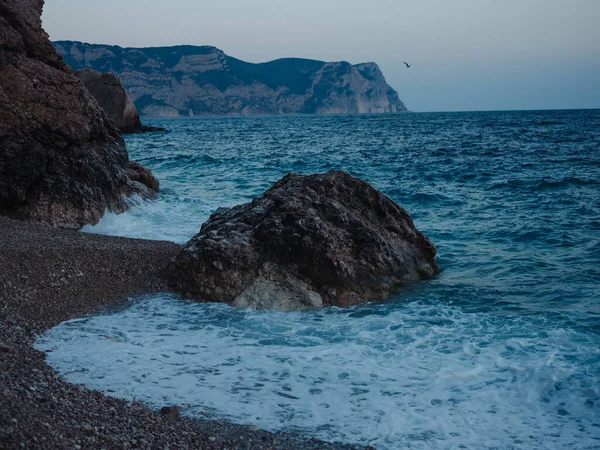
[(201, 81), (311, 240)]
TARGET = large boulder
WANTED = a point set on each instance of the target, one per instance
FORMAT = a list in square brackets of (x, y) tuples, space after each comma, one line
[(309, 241), (62, 161), (110, 94)]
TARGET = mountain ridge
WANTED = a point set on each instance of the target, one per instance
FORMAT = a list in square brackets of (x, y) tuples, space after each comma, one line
[(187, 80)]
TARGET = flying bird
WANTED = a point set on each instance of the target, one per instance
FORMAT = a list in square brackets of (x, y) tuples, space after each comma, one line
[(407, 64)]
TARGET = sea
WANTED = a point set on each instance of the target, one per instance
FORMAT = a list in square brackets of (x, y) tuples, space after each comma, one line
[(501, 350)]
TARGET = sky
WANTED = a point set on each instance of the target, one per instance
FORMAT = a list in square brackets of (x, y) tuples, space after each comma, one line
[(465, 55)]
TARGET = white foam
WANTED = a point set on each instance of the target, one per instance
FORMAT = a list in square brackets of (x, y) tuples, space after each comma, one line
[(393, 376), (163, 219)]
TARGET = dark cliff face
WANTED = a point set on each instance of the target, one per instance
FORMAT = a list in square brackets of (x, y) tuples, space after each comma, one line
[(188, 80), (61, 160), (110, 94)]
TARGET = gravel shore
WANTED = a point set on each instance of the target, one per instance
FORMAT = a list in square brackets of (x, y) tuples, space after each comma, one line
[(48, 276)]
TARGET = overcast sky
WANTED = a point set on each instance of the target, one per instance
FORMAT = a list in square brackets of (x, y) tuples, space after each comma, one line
[(465, 54)]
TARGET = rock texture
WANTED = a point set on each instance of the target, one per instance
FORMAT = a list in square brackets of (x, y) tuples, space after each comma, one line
[(110, 94), (141, 181), (196, 81), (309, 241), (62, 161)]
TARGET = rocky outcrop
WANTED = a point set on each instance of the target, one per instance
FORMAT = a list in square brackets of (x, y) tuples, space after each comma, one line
[(62, 161), (110, 94), (309, 241), (140, 181), (197, 81)]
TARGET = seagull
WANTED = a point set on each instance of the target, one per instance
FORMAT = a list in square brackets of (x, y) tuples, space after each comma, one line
[(407, 64)]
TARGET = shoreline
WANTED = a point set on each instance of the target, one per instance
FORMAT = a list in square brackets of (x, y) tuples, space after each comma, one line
[(48, 276)]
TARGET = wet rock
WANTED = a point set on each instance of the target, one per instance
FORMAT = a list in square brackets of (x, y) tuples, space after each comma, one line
[(309, 241), (140, 181), (61, 160), (141, 174), (136, 188), (171, 412)]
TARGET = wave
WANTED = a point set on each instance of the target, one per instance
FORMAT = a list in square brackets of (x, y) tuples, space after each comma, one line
[(550, 122), (418, 375), (538, 185)]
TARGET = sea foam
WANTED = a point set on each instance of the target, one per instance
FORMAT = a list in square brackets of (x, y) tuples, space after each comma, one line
[(398, 375)]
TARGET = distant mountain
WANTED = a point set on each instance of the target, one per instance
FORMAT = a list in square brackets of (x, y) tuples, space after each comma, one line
[(201, 81)]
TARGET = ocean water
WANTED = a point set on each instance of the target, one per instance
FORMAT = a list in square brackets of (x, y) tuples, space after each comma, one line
[(500, 351)]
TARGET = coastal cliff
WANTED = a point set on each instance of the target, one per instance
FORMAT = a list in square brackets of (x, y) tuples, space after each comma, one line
[(204, 81)]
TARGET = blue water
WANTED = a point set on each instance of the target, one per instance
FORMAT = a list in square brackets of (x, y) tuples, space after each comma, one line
[(501, 350)]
